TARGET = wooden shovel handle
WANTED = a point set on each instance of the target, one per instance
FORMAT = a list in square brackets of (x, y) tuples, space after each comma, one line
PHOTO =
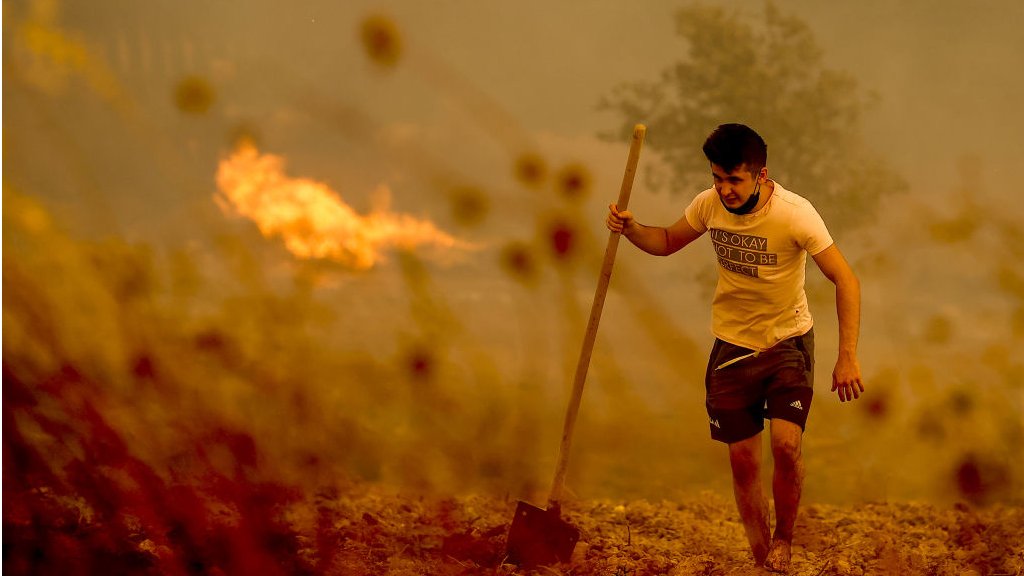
[(639, 131)]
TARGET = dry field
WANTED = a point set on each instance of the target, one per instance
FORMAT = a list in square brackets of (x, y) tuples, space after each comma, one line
[(230, 527)]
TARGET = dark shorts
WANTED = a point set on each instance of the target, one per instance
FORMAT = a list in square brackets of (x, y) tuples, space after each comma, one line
[(777, 383)]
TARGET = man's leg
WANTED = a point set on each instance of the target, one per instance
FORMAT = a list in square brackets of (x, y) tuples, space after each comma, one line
[(787, 484), (745, 457)]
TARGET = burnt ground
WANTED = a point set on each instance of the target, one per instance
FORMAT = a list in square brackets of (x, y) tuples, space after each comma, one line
[(228, 527)]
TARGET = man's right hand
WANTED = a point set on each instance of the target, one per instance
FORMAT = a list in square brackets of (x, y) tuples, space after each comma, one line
[(620, 222)]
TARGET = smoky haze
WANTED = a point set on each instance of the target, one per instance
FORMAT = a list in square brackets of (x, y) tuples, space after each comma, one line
[(449, 370)]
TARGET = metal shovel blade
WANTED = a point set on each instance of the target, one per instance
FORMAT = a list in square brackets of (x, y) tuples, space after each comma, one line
[(540, 537)]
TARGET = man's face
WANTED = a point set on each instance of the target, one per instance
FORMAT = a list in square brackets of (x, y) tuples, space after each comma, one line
[(734, 188)]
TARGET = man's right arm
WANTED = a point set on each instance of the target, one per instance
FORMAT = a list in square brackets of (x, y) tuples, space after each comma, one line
[(654, 240)]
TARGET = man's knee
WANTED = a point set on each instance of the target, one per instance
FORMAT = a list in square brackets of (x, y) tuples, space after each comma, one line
[(745, 458), (786, 454), (786, 442)]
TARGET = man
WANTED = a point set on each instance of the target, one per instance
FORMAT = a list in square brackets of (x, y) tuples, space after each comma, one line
[(762, 362)]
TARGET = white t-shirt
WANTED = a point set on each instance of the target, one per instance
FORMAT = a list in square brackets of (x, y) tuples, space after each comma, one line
[(762, 256)]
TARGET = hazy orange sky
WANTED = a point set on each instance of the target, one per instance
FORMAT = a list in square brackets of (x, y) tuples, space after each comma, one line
[(944, 73)]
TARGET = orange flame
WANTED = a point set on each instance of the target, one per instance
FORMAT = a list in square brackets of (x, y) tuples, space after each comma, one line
[(311, 218)]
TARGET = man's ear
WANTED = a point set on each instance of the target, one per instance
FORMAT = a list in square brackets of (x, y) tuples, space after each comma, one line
[(763, 174)]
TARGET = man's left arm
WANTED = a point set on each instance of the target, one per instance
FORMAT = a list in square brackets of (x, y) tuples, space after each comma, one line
[(846, 379)]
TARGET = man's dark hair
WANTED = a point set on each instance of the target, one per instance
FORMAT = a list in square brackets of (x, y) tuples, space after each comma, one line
[(733, 145)]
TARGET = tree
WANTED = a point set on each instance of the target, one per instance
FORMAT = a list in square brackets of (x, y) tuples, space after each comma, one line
[(767, 73)]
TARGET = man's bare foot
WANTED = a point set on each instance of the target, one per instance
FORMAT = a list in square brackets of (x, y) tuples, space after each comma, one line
[(778, 556)]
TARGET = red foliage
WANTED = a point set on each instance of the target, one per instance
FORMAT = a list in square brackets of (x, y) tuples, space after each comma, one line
[(106, 511)]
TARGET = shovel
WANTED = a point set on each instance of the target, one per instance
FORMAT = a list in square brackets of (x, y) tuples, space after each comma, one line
[(540, 537)]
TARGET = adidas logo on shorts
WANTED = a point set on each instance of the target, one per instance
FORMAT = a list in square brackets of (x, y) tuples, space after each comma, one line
[(796, 404), (715, 423)]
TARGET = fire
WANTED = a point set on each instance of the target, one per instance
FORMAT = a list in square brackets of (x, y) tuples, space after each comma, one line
[(312, 219)]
